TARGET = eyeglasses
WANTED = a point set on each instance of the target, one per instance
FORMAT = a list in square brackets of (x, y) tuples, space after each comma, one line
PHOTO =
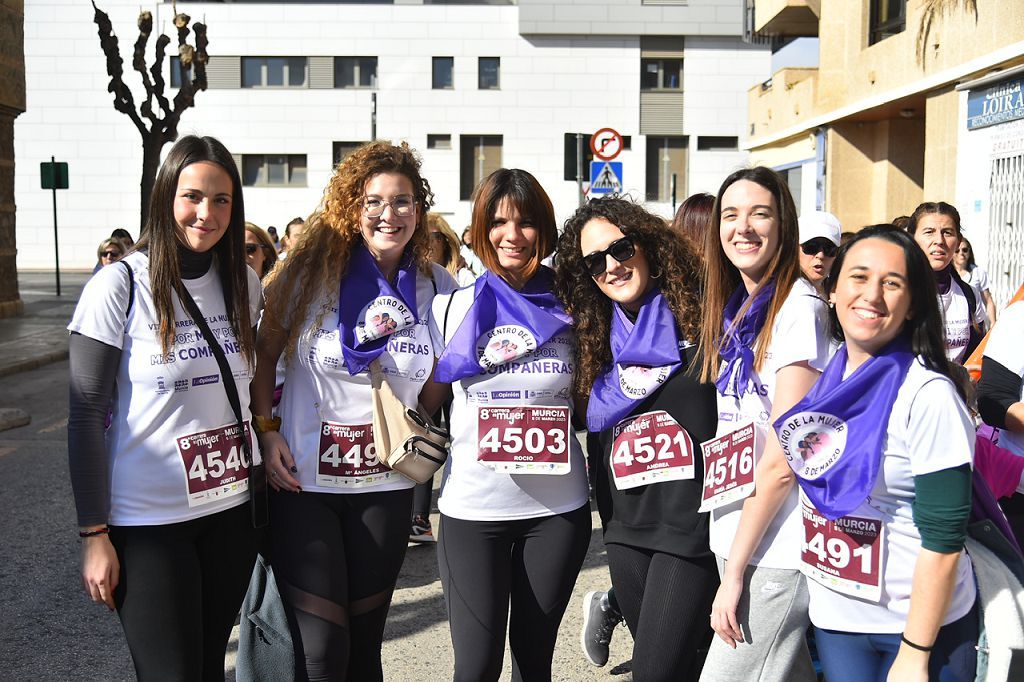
[(111, 255), (622, 249), (403, 205), (811, 247), (252, 248), (964, 250)]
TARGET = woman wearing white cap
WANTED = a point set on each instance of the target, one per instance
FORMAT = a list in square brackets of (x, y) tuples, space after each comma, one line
[(819, 242)]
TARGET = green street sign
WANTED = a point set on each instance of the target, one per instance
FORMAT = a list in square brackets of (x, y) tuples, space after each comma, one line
[(54, 175)]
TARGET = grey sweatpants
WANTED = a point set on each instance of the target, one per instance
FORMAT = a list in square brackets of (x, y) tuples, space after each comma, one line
[(772, 615)]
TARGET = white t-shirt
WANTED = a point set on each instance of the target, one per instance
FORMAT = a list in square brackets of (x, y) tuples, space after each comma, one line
[(799, 334), (322, 405), (1004, 346), (929, 430), (977, 278), (474, 492), (956, 320), (168, 410)]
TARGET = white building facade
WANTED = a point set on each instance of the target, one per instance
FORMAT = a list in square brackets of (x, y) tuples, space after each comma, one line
[(471, 87)]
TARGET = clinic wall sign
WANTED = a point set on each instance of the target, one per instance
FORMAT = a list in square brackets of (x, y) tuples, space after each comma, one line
[(998, 103)]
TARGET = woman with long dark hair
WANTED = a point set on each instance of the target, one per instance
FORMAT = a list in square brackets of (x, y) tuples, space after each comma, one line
[(882, 447), (161, 494), (515, 523), (764, 343), (632, 287), (352, 297)]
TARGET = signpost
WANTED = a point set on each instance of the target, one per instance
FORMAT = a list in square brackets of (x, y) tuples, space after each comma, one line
[(606, 144), (605, 177), (54, 176)]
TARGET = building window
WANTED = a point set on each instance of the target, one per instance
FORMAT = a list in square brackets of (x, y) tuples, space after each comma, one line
[(661, 74), (179, 74), (489, 73), (888, 17), (569, 155), (716, 143), (274, 170), (355, 72), (666, 156), (479, 156), (439, 141), (442, 78), (794, 180), (339, 150), (274, 72)]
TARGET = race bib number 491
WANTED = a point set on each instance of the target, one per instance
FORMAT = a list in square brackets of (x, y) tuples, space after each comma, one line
[(347, 457), (215, 464), (728, 467), (650, 448), (844, 555), (531, 439)]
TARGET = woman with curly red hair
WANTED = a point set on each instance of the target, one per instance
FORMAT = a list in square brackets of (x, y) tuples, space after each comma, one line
[(339, 517), (633, 288)]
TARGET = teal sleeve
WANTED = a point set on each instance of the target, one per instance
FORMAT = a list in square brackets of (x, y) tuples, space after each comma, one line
[(942, 508)]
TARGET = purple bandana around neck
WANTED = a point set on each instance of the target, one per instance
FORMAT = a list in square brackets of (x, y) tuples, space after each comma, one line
[(502, 325), (644, 355), (370, 309), (944, 279), (833, 438), (737, 351)]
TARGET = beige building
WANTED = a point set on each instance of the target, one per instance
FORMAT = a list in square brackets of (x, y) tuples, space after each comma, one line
[(891, 114)]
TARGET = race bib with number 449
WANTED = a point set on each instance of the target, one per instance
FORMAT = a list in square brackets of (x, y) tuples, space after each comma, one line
[(347, 457), (215, 464), (728, 467), (650, 448), (530, 439)]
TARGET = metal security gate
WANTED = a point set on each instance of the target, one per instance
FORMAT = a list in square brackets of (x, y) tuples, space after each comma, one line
[(1006, 226)]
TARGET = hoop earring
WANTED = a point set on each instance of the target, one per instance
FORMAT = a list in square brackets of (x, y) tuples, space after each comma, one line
[(658, 276)]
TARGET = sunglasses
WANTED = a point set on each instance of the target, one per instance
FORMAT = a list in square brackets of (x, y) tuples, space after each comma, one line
[(812, 246), (252, 248), (622, 249), (112, 255)]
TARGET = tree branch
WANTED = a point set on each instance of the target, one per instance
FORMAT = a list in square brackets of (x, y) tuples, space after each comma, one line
[(158, 74), (123, 100), (145, 24)]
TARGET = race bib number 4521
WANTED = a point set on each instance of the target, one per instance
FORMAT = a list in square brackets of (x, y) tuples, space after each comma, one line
[(347, 457), (728, 467), (650, 448), (844, 555), (215, 464), (531, 439)]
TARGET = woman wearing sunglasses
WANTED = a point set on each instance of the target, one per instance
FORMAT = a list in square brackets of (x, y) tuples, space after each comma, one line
[(765, 342), (820, 234), (109, 251), (632, 287), (515, 523), (259, 250), (355, 290), (974, 275)]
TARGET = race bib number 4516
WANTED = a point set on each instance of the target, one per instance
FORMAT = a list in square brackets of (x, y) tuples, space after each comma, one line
[(728, 467), (650, 448), (215, 464), (531, 439)]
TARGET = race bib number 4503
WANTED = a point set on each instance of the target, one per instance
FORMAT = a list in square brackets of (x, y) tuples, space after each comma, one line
[(347, 457), (650, 448), (531, 439), (215, 464), (728, 467), (844, 555)]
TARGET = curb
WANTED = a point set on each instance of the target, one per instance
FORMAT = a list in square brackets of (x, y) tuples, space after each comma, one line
[(33, 363)]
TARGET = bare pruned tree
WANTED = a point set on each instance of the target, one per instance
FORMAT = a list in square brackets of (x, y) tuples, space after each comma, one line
[(157, 126)]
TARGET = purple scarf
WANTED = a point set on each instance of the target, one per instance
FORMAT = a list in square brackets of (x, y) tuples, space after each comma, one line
[(737, 349), (833, 438), (370, 309), (944, 279), (502, 325), (644, 355)]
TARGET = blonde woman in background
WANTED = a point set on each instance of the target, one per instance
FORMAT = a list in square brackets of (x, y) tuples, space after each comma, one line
[(444, 249), (260, 253)]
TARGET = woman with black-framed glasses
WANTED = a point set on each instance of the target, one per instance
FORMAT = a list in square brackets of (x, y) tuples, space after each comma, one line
[(632, 286)]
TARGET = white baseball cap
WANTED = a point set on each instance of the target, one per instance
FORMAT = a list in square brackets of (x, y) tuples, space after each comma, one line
[(815, 224)]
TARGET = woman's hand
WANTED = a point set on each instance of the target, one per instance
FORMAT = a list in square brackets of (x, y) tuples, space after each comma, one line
[(910, 666), (280, 463), (100, 569), (723, 609)]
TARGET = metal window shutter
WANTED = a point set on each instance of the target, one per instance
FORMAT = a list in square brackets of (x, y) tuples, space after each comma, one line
[(224, 72), (661, 113), (321, 72), (661, 47)]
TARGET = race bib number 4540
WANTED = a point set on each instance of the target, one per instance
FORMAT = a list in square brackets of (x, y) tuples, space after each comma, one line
[(531, 439), (215, 464), (650, 448), (728, 467)]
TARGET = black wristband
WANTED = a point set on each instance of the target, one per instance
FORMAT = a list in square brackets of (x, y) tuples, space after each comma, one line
[(903, 638)]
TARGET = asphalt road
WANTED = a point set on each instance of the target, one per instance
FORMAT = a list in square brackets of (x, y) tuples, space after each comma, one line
[(49, 630)]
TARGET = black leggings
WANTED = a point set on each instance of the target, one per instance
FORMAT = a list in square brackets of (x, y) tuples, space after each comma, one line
[(180, 588), (666, 601), (484, 564), (336, 558)]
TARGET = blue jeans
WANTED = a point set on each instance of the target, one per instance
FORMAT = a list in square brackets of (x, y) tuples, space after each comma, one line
[(859, 657)]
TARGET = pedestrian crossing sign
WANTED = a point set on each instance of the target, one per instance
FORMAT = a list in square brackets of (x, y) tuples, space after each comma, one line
[(605, 177)]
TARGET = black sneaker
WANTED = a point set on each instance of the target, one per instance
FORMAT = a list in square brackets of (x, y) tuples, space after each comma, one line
[(421, 530), (599, 621)]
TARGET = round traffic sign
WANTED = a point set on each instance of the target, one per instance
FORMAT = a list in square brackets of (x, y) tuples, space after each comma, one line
[(606, 144)]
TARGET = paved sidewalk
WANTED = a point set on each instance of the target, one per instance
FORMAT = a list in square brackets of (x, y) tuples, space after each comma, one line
[(39, 336)]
